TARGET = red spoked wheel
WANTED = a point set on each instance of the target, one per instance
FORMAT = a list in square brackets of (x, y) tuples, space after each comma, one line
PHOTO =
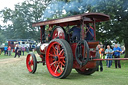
[(31, 63), (59, 58)]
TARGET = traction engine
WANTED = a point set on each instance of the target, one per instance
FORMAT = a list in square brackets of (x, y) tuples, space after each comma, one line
[(60, 53)]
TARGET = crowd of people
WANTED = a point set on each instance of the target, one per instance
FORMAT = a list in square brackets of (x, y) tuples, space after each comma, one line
[(18, 50), (109, 53)]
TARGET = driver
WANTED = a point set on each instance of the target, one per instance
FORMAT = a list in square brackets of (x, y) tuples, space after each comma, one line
[(76, 32), (90, 33)]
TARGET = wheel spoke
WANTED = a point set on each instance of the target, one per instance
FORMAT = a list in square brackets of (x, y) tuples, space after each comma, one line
[(53, 63), (61, 52), (56, 64), (62, 57), (56, 68), (60, 67), (55, 51), (58, 49), (31, 62), (29, 59), (62, 63), (51, 55)]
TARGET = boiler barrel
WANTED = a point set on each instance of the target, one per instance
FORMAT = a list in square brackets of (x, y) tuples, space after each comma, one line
[(38, 50)]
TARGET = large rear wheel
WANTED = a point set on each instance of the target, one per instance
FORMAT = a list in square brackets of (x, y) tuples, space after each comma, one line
[(31, 63), (59, 58)]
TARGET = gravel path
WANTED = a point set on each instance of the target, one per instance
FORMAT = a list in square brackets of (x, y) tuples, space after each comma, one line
[(11, 60)]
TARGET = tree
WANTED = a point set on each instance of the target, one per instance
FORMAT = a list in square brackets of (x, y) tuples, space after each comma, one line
[(2, 38), (22, 18), (116, 29)]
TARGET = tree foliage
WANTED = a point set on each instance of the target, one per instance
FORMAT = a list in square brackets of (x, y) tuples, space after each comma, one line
[(116, 29), (22, 18), (2, 38), (31, 11)]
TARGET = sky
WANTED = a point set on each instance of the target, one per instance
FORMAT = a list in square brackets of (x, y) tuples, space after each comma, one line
[(8, 4)]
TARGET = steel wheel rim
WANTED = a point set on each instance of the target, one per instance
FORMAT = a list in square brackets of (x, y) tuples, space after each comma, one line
[(55, 59), (30, 63)]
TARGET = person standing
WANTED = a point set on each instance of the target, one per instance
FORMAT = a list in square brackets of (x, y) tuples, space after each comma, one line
[(16, 51), (19, 51), (23, 49), (5, 50), (109, 53), (101, 50), (9, 50), (27, 49), (117, 50), (0, 51)]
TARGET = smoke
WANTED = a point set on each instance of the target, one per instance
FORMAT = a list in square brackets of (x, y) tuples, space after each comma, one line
[(59, 8)]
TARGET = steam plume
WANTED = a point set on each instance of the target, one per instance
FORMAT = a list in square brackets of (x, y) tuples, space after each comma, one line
[(59, 8)]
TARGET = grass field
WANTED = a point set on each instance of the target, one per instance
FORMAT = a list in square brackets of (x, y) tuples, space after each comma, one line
[(15, 73)]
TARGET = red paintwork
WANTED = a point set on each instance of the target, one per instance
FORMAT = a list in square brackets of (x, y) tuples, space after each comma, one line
[(11, 45), (55, 67), (73, 20), (82, 19), (93, 44), (75, 64), (90, 64), (94, 28), (43, 51), (29, 63), (41, 33), (41, 56), (58, 32)]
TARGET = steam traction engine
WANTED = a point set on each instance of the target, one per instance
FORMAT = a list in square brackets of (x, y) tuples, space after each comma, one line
[(60, 53)]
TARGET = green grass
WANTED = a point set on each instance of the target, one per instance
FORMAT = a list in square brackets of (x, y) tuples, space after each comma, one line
[(16, 74), (2, 56)]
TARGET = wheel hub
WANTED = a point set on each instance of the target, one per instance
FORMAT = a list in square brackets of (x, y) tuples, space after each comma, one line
[(56, 58), (29, 63)]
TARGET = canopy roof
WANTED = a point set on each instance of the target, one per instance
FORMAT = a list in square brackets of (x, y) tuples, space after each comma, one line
[(73, 20)]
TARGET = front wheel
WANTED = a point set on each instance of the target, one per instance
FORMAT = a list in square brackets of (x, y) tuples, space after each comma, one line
[(31, 63), (59, 58)]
